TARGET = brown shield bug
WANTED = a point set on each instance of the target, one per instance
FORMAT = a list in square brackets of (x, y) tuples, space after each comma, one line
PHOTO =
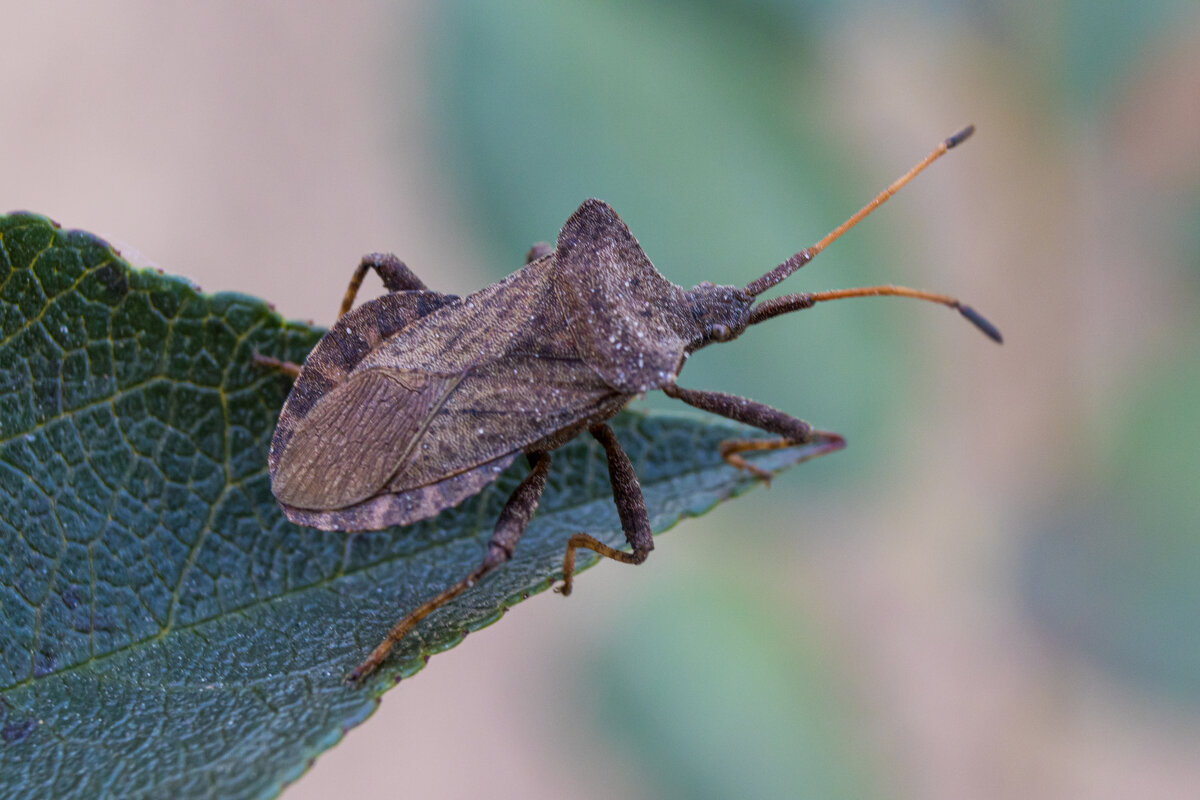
[(417, 400)]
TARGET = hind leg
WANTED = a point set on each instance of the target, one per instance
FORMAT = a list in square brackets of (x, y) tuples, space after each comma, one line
[(631, 508), (292, 370)]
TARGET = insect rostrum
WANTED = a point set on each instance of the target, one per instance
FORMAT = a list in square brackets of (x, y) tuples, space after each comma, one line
[(417, 400)]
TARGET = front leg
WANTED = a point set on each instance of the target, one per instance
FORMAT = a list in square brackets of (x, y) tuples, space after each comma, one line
[(631, 508), (740, 409), (396, 276)]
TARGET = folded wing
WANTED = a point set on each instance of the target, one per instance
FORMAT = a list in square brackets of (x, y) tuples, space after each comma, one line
[(356, 438)]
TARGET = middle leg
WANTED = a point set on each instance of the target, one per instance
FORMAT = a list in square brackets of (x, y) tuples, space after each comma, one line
[(538, 250), (631, 508)]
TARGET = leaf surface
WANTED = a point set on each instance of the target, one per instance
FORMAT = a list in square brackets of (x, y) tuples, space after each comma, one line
[(163, 629)]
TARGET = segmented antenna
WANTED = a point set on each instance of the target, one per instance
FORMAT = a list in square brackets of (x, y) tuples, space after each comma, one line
[(795, 302), (809, 253)]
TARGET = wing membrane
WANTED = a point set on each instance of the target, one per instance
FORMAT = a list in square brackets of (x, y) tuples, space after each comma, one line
[(357, 437)]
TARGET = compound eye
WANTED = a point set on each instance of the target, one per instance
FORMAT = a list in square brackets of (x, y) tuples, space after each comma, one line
[(718, 332)]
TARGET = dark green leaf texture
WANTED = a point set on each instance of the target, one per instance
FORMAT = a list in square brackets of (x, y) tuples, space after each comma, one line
[(163, 630)]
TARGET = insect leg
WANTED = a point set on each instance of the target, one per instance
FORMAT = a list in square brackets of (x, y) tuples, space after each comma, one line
[(396, 277), (513, 519), (794, 431), (631, 507), (539, 250), (286, 367)]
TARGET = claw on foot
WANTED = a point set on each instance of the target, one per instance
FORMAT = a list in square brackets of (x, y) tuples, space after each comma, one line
[(731, 450), (822, 442), (356, 676)]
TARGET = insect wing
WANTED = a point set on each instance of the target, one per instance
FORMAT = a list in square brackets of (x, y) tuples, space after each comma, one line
[(502, 407), (358, 435)]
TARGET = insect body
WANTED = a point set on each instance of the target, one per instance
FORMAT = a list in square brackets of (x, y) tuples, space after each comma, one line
[(417, 400)]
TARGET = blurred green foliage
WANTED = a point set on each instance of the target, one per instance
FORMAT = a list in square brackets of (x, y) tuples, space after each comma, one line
[(1103, 42), (690, 119), (1115, 572), (722, 693)]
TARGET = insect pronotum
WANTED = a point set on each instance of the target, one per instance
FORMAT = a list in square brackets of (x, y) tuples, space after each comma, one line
[(417, 400)]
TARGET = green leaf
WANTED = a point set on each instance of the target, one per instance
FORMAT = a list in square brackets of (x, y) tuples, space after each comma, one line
[(163, 630)]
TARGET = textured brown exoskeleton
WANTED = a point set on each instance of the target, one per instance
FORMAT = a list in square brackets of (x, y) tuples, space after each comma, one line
[(417, 400)]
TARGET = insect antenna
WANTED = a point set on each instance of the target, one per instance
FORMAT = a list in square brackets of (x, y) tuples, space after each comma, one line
[(809, 253), (795, 302)]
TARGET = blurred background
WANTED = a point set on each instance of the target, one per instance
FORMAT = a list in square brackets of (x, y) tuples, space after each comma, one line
[(994, 592)]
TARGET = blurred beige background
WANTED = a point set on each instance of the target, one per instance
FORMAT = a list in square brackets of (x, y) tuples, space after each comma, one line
[(264, 147)]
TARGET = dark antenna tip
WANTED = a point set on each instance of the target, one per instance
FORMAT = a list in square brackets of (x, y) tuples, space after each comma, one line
[(960, 137), (976, 319)]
